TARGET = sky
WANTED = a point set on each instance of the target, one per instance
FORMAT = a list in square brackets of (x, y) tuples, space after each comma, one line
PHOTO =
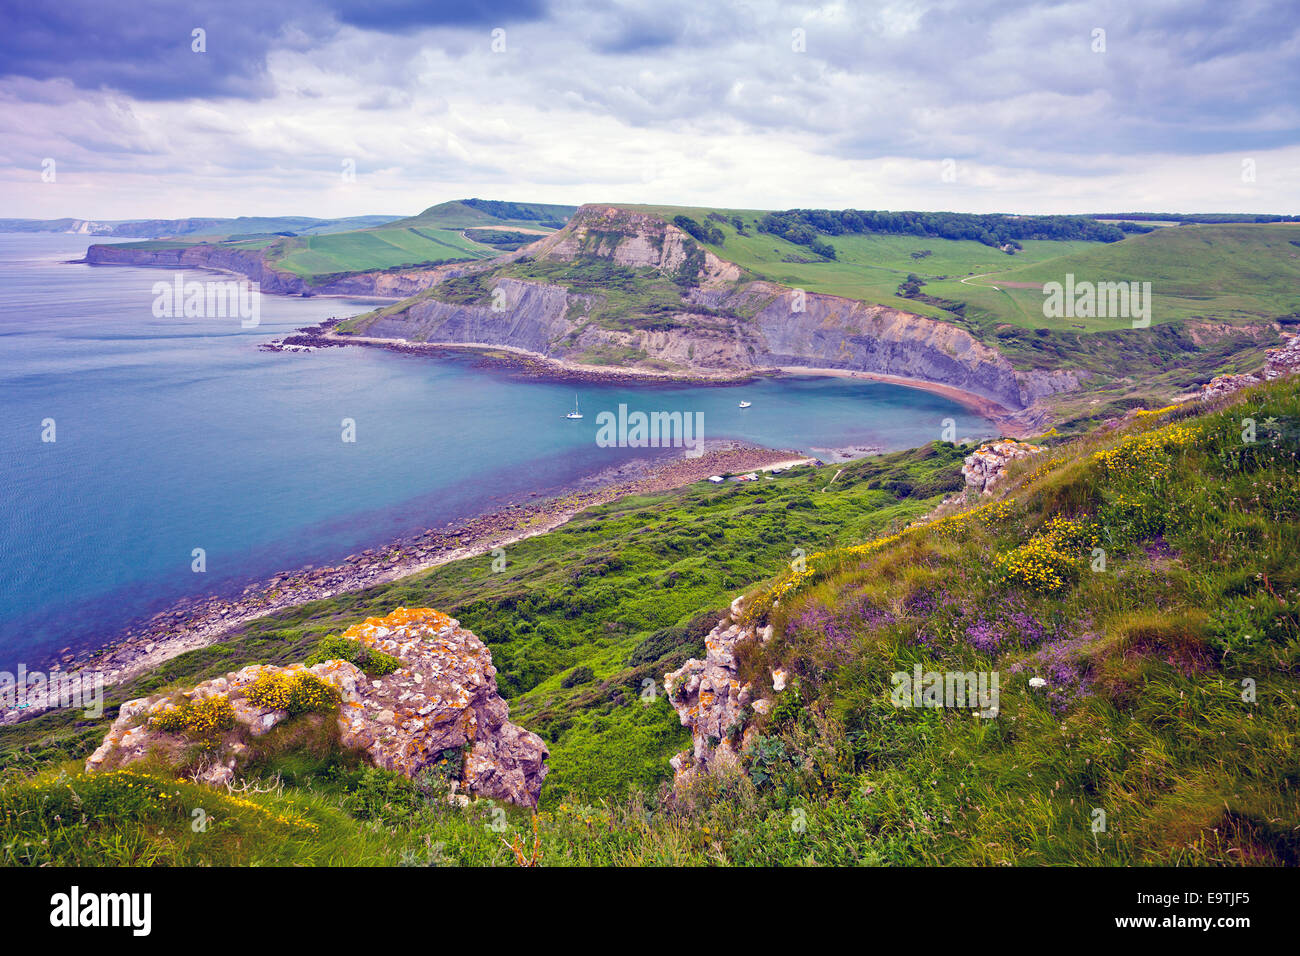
[(114, 110)]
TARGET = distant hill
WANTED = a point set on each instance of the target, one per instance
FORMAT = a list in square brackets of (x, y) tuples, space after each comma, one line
[(464, 213), (323, 251)]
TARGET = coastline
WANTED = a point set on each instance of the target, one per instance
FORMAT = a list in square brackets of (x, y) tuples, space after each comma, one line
[(196, 623), (999, 414), (544, 366)]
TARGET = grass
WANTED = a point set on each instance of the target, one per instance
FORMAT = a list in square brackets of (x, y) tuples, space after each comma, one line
[(1220, 273), (383, 248)]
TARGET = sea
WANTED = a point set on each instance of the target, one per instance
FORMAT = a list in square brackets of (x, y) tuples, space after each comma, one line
[(132, 442)]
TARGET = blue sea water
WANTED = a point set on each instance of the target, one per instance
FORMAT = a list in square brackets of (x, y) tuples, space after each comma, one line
[(177, 433)]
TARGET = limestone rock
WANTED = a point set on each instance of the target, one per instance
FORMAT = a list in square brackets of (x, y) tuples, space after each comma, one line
[(710, 699), (442, 698), (985, 467)]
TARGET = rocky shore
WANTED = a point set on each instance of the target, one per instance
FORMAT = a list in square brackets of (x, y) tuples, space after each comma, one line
[(196, 623), (520, 362)]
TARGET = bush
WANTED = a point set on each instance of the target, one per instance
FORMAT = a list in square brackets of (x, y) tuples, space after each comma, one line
[(203, 718), (579, 675), (298, 693), (338, 648), (377, 794)]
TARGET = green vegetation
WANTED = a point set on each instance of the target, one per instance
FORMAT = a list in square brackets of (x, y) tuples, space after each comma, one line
[(1169, 657), (503, 239), (370, 249), (459, 231), (869, 267), (804, 226), (1168, 702), (1220, 273), (463, 213), (627, 589), (1215, 272), (338, 648)]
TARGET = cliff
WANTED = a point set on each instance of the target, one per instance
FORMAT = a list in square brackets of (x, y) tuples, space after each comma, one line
[(251, 263), (720, 321)]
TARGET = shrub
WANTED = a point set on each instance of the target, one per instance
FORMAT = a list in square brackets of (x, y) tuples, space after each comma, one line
[(377, 794), (338, 648), (579, 675), (296, 693), (202, 718)]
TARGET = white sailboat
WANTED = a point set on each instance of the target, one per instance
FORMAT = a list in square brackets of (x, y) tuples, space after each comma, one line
[(746, 404), (575, 413)]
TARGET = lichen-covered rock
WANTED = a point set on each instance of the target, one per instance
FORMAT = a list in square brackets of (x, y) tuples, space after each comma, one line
[(443, 697), (985, 466), (710, 699)]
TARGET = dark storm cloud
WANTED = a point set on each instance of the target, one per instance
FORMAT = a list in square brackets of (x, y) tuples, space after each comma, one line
[(143, 48), (390, 16), (990, 81)]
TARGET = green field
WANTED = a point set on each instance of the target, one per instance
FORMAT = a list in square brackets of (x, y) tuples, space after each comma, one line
[(438, 234), (369, 249), (868, 267), (1233, 273)]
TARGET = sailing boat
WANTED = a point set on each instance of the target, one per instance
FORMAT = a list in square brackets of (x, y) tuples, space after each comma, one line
[(575, 413), (746, 404)]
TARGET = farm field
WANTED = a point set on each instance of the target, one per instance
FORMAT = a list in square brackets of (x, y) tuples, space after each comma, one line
[(376, 249)]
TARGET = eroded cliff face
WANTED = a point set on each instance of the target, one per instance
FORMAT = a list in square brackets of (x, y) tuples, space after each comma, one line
[(636, 240), (725, 325)]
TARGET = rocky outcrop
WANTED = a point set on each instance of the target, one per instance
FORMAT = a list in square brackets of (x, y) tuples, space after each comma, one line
[(440, 702), (636, 240), (710, 699), (1278, 363), (985, 467)]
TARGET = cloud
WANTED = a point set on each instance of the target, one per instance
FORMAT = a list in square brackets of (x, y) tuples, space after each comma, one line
[(664, 101)]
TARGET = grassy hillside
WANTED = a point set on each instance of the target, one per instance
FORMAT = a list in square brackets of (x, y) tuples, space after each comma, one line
[(1169, 699), (1220, 272), (463, 213), (867, 267), (375, 249), (449, 232)]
